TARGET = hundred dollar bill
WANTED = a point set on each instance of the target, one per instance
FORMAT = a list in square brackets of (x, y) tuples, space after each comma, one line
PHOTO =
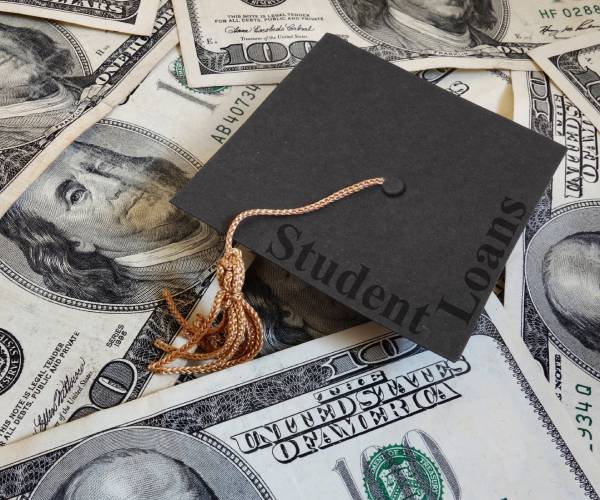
[(129, 16), (363, 414), (57, 80), (574, 66), (552, 293), (88, 247), (76, 286), (256, 41)]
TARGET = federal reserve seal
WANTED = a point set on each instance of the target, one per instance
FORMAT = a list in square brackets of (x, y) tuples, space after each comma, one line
[(178, 71), (399, 472), (264, 3), (11, 360)]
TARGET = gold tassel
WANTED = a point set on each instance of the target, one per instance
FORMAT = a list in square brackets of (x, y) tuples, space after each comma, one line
[(237, 336)]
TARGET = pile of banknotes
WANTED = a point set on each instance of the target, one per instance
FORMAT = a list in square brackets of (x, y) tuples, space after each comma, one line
[(109, 107)]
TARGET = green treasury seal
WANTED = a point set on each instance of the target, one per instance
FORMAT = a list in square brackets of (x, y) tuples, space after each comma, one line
[(398, 472), (178, 71)]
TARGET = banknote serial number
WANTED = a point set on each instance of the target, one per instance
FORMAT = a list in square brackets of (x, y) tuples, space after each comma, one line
[(580, 11), (582, 417), (237, 111)]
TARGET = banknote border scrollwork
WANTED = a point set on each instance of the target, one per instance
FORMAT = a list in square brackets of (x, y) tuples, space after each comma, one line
[(83, 58), (573, 206), (184, 153), (564, 349), (55, 297), (382, 49), (203, 412), (266, 3), (557, 342), (546, 422), (564, 63), (79, 10), (82, 453), (241, 464), (20, 160), (541, 215), (215, 408), (505, 20)]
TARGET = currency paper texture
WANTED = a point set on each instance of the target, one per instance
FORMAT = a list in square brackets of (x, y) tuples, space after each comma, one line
[(58, 80), (253, 41), (129, 16), (87, 249), (362, 414), (59, 243), (490, 89), (574, 66), (552, 293)]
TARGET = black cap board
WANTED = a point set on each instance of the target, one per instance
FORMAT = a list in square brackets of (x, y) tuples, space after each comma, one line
[(420, 254)]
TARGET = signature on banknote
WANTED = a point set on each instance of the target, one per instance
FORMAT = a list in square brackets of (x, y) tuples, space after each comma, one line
[(65, 386), (566, 31)]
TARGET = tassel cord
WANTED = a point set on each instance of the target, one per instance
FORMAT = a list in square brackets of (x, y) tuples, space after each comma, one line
[(232, 332)]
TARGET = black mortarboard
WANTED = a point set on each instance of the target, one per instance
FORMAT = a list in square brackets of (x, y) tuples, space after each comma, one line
[(419, 255)]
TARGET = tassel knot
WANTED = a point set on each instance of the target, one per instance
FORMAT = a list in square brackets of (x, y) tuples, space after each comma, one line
[(232, 332)]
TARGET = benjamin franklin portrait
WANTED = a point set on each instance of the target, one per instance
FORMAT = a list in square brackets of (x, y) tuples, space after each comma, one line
[(571, 277), (135, 474), (37, 89), (98, 226), (151, 463), (562, 278), (419, 25)]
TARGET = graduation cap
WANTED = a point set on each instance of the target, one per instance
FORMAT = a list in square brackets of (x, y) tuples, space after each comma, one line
[(419, 254)]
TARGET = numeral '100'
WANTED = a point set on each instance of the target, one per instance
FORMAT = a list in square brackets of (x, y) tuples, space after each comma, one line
[(267, 52)]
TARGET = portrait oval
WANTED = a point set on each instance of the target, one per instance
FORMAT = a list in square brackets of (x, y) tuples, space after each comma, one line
[(97, 230), (154, 464), (562, 272), (43, 71), (427, 26), (11, 360)]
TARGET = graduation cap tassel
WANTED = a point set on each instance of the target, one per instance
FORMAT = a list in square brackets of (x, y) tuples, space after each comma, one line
[(232, 333)]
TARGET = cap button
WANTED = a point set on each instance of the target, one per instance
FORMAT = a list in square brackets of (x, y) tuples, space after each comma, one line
[(393, 187)]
